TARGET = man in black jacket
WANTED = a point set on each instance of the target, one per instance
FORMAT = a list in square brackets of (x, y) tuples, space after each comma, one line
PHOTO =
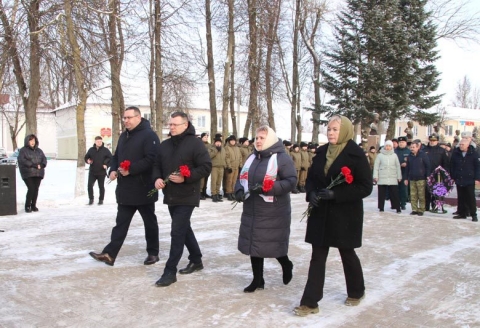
[(465, 170), (132, 165), (438, 157), (181, 192), (99, 158), (418, 166)]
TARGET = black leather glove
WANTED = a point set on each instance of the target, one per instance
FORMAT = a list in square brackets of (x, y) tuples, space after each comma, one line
[(240, 195), (313, 198), (256, 190), (326, 194), (229, 170)]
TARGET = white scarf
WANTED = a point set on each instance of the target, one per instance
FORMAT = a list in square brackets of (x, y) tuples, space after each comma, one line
[(271, 174)]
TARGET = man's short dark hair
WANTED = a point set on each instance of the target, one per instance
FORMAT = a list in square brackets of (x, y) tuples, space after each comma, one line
[(181, 114), (135, 109), (98, 138)]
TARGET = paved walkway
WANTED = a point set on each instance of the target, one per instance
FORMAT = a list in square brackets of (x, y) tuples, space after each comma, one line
[(419, 272)]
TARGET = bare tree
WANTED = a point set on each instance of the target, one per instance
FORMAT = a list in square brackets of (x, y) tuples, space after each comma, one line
[(252, 66), (227, 74)]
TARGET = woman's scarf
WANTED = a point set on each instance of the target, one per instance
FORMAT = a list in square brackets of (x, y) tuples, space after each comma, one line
[(271, 174), (345, 134)]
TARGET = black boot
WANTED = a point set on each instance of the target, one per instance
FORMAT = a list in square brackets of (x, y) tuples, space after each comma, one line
[(28, 209), (90, 202), (215, 198), (203, 196), (230, 197), (34, 208), (257, 282), (287, 268)]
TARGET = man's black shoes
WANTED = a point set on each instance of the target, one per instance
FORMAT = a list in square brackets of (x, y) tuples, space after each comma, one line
[(459, 217), (103, 257), (166, 280), (191, 268), (151, 259)]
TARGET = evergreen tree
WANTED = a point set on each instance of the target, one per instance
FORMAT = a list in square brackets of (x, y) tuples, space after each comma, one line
[(383, 62)]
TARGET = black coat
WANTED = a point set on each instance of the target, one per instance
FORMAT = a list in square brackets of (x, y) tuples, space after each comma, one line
[(101, 156), (265, 226), (29, 159), (437, 156), (465, 170), (339, 222), (139, 146), (183, 149)]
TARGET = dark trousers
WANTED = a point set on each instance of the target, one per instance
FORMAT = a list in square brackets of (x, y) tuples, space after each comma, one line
[(393, 192), (402, 193), (182, 235), (101, 185), (467, 205), (352, 269), (428, 200), (33, 184), (124, 218)]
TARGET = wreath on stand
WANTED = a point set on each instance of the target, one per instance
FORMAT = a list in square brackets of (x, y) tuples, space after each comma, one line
[(440, 184)]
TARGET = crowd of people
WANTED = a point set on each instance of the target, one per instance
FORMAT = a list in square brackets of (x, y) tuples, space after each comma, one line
[(260, 174)]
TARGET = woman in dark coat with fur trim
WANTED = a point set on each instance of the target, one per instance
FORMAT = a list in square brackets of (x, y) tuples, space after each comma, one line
[(31, 163), (266, 216), (336, 219)]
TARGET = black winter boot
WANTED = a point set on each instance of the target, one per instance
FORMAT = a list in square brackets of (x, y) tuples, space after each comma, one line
[(215, 198), (28, 209), (230, 197), (257, 282), (287, 268)]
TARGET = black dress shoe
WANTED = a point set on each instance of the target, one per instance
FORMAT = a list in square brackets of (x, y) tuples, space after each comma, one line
[(90, 202), (455, 213), (459, 217), (103, 257), (34, 208), (414, 213), (28, 209), (166, 280), (100, 202), (474, 219), (151, 259), (191, 268)]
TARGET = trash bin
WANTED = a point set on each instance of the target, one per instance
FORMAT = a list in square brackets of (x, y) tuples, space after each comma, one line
[(8, 190)]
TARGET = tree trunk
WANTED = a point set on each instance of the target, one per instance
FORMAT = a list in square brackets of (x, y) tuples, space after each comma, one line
[(211, 75), (295, 82), (158, 71), (229, 69), (252, 66), (273, 19), (81, 102)]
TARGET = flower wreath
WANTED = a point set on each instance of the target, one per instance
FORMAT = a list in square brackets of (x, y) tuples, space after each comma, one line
[(440, 184)]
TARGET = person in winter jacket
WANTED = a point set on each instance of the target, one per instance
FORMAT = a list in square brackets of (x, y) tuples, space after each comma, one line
[(31, 163), (203, 182), (245, 151), (99, 158), (402, 153), (297, 161), (304, 166), (336, 216), (372, 155), (264, 187), (438, 157), (217, 155), (233, 159), (131, 166), (181, 192), (465, 170), (418, 166), (387, 175)]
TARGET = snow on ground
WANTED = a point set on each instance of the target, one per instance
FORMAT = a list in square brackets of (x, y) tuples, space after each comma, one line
[(419, 271)]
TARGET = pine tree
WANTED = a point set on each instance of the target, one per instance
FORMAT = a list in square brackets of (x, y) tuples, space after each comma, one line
[(383, 62)]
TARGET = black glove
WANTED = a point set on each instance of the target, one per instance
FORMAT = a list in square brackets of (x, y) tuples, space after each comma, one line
[(240, 195), (313, 198), (229, 170), (326, 194), (256, 190)]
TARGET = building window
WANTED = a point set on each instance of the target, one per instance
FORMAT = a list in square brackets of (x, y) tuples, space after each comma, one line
[(220, 123), (201, 121), (449, 130), (147, 116), (399, 131), (415, 131), (429, 130)]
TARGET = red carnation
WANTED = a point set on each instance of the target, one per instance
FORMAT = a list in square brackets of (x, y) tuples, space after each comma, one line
[(185, 171), (346, 171), (267, 185), (125, 165)]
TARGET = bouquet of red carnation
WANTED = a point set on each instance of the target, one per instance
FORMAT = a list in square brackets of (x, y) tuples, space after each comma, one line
[(344, 176), (182, 170), (266, 186), (125, 165)]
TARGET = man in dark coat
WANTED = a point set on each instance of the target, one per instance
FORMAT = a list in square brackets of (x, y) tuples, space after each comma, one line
[(465, 170), (438, 157), (132, 164), (402, 152), (99, 158), (181, 192), (418, 166)]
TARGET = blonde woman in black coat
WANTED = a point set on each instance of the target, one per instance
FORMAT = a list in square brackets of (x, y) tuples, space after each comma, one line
[(336, 219), (266, 216)]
